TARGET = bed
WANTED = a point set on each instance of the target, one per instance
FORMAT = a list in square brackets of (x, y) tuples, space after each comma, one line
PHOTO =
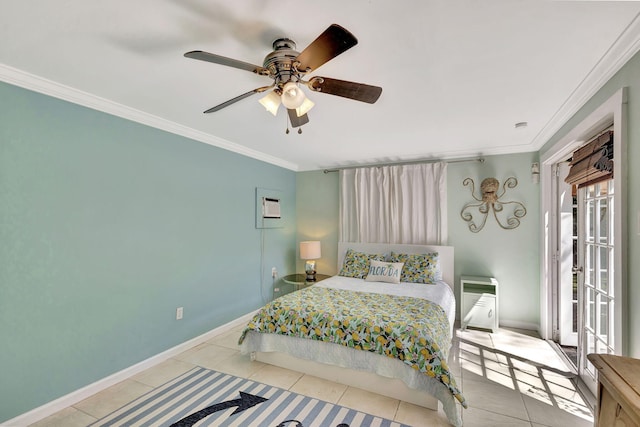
[(389, 338)]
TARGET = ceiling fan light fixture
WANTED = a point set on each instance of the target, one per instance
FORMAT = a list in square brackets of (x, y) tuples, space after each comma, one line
[(306, 106), (292, 96), (271, 102)]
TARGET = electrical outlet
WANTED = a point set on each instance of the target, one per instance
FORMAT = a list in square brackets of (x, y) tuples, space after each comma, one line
[(274, 272), (179, 313)]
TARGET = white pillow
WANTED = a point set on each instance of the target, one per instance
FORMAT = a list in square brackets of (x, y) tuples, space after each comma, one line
[(382, 271)]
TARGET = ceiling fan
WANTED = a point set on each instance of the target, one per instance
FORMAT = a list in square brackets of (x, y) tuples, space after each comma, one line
[(287, 68)]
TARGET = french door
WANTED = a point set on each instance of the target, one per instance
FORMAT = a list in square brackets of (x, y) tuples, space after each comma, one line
[(601, 239), (567, 292), (595, 276)]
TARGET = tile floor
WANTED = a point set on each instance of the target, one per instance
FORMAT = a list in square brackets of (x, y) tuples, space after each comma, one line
[(508, 378)]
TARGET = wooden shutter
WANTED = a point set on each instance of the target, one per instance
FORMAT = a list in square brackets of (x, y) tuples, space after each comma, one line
[(593, 162)]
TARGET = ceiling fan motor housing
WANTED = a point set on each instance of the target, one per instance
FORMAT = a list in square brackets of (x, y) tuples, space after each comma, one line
[(280, 62)]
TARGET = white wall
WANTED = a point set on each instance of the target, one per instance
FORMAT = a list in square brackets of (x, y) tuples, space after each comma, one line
[(511, 256)]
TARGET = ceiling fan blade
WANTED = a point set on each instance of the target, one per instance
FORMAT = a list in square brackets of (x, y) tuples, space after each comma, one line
[(351, 90), (238, 98), (222, 60), (331, 43), (295, 120)]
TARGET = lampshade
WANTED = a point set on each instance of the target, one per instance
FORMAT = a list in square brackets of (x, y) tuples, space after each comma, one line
[(303, 109), (271, 102), (310, 250), (292, 96)]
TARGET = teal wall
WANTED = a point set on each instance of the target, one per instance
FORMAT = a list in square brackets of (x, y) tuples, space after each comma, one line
[(317, 213), (628, 76), (107, 226), (512, 256)]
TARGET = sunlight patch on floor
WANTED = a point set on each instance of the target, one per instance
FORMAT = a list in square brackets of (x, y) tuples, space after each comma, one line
[(525, 364)]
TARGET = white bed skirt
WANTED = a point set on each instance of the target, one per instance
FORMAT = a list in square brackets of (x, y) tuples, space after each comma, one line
[(369, 371)]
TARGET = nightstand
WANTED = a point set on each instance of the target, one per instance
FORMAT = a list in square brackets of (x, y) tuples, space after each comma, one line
[(299, 281), (479, 306)]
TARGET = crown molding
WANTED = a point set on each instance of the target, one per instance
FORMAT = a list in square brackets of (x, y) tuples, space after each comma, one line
[(44, 86), (620, 52)]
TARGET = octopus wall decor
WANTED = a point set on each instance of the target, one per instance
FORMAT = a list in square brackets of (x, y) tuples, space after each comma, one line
[(489, 202)]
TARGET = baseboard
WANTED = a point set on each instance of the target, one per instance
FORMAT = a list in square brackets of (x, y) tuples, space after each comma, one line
[(520, 325), (79, 395)]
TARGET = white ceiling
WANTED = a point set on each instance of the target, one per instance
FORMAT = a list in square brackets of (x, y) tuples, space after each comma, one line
[(456, 75)]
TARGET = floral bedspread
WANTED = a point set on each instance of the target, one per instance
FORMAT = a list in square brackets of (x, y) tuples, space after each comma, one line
[(413, 330)]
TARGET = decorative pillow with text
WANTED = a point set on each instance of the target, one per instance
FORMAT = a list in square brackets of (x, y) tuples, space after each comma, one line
[(382, 271)]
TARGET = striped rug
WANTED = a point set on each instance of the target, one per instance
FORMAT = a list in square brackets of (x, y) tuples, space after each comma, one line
[(202, 397)]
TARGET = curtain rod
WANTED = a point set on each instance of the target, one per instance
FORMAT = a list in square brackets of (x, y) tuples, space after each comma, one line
[(414, 162)]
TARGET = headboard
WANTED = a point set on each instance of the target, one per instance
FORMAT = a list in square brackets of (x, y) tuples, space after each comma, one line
[(445, 254)]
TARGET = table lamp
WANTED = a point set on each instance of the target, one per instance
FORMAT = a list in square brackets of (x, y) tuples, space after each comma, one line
[(310, 251)]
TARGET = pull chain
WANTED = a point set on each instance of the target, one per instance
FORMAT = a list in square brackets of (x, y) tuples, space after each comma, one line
[(287, 131)]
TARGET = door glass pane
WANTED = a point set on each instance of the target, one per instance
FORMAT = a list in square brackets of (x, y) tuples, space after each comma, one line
[(611, 222), (603, 282), (589, 267), (589, 220), (603, 327), (602, 188), (612, 343), (610, 278), (604, 221), (590, 314)]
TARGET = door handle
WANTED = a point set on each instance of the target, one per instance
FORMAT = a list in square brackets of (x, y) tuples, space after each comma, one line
[(577, 269)]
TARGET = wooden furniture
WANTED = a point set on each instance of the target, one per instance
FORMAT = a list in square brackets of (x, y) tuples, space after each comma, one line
[(618, 390), (479, 302)]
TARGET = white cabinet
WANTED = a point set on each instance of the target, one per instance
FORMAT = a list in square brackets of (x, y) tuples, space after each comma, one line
[(479, 306)]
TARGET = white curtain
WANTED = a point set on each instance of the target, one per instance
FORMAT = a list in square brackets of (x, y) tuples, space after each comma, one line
[(394, 204)]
